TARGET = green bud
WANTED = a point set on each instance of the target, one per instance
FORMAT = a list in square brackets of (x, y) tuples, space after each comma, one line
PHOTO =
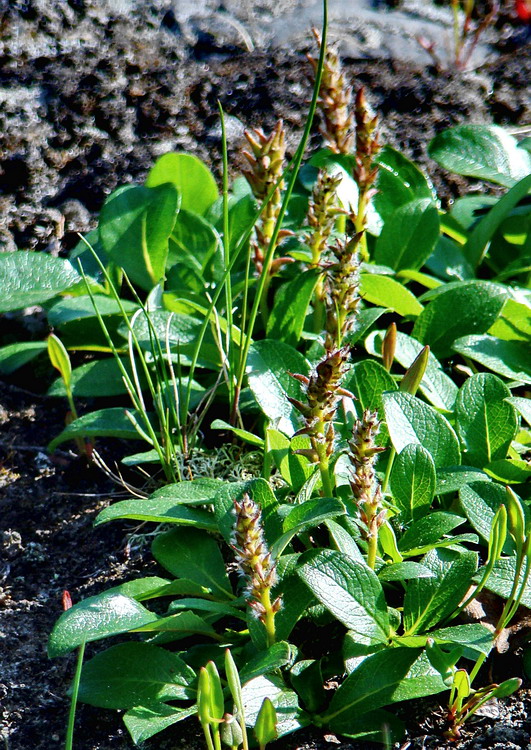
[(443, 661), (516, 518), (204, 697), (217, 702), (60, 359), (415, 372), (233, 678), (507, 688), (389, 347), (265, 728), (498, 534), (462, 684)]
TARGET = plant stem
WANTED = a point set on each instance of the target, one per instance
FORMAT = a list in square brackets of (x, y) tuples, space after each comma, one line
[(390, 462), (73, 703), (372, 549), (297, 161), (226, 254), (269, 616)]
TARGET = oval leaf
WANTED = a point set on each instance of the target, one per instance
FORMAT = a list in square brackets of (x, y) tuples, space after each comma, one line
[(486, 423), (458, 309), (193, 179), (409, 236), (413, 482), (95, 618), (484, 151), (135, 674), (412, 421)]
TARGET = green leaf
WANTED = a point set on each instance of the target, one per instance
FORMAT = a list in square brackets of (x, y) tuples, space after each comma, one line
[(448, 261), (143, 588), (404, 571), (501, 580), (436, 386), (286, 320), (389, 676), (473, 636), (158, 510), (268, 366), (194, 181), (409, 235), (367, 381), (429, 600), (135, 224), (509, 471), (399, 181), (28, 278), (522, 406), (459, 308), (364, 320), (413, 482), (514, 323), (487, 152), (412, 421), (134, 674), (350, 590), (262, 494), (296, 598), (103, 423), (14, 356), (307, 679), (479, 238), (245, 435), (180, 625), (428, 530), (273, 658), (384, 291), (512, 359), (193, 492), (486, 423), (72, 309), (192, 554), (305, 516), (102, 377), (378, 726), (295, 469), (285, 702), (143, 722), (480, 501), (195, 243), (452, 478), (95, 618)]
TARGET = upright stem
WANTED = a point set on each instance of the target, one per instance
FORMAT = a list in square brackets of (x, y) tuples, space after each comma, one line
[(359, 225), (73, 703), (372, 549), (297, 161), (390, 462), (269, 616)]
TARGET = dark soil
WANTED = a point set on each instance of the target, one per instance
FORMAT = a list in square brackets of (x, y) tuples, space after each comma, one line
[(89, 98)]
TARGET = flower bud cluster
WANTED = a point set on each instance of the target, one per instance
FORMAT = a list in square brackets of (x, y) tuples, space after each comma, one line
[(266, 164), (364, 484), (334, 102), (342, 291), (253, 558), (323, 209), (323, 391), (367, 147)]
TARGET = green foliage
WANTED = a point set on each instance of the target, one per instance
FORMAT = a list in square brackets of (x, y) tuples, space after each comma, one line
[(170, 312)]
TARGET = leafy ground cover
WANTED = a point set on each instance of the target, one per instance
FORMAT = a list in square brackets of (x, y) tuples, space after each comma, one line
[(373, 323)]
